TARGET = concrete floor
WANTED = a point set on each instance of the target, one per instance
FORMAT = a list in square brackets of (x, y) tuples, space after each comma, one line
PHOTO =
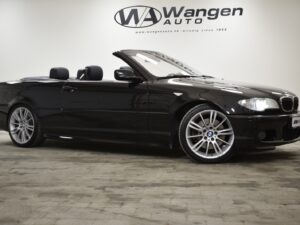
[(90, 183)]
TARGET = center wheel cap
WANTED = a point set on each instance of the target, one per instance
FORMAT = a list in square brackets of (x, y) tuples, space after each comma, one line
[(210, 133)]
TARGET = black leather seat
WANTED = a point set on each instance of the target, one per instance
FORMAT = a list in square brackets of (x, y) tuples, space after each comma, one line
[(59, 73), (92, 73)]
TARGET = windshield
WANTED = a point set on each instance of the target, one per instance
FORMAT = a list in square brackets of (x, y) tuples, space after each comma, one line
[(161, 65)]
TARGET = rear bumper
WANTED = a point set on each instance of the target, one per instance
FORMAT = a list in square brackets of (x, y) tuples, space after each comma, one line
[(264, 130)]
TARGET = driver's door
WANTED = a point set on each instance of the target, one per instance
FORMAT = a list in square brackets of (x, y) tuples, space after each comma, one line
[(106, 110)]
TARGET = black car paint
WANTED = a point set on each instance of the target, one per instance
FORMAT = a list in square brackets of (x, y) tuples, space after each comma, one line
[(143, 112)]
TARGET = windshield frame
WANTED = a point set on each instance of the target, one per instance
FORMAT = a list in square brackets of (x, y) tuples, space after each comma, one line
[(191, 72)]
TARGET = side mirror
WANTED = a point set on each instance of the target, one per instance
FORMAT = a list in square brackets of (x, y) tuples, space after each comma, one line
[(127, 75)]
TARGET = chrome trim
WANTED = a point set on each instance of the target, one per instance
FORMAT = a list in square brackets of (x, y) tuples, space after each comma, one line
[(293, 102), (294, 97)]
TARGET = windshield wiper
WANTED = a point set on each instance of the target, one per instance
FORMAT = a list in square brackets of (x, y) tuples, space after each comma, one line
[(183, 76), (206, 76), (175, 76)]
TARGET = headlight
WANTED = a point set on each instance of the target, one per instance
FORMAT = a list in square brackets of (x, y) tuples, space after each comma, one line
[(259, 104)]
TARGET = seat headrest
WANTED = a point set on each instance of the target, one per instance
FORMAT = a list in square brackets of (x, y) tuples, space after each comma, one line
[(59, 73), (94, 73)]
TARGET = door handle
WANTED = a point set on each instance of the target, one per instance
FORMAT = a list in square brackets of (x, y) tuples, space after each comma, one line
[(69, 89)]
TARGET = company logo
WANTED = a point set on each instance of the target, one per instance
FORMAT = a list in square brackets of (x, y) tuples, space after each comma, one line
[(146, 16), (138, 16)]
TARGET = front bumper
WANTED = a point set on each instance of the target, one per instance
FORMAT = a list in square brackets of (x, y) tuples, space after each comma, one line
[(264, 130)]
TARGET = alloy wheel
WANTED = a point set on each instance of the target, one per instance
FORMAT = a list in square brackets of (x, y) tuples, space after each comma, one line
[(209, 134), (21, 125)]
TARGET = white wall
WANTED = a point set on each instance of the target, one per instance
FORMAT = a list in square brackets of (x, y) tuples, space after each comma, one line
[(262, 46)]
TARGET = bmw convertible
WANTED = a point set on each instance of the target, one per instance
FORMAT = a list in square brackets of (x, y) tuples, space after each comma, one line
[(154, 100)]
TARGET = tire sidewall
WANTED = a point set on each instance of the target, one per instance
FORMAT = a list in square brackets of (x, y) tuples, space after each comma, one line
[(183, 142)]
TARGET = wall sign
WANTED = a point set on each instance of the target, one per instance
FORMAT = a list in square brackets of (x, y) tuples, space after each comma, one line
[(145, 16)]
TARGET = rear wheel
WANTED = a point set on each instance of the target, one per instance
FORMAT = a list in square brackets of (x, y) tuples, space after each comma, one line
[(24, 127), (206, 135)]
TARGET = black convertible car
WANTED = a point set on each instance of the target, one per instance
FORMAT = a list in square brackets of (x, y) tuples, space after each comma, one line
[(155, 100)]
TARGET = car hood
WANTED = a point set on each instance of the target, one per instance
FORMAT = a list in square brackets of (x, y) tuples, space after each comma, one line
[(242, 89)]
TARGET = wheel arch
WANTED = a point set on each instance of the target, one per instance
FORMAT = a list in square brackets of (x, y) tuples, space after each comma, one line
[(18, 101), (182, 110)]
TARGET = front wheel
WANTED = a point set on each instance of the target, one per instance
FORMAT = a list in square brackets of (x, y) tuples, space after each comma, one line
[(206, 135), (24, 127)]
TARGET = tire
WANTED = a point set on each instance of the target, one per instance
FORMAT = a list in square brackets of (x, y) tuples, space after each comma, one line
[(24, 127), (206, 135)]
